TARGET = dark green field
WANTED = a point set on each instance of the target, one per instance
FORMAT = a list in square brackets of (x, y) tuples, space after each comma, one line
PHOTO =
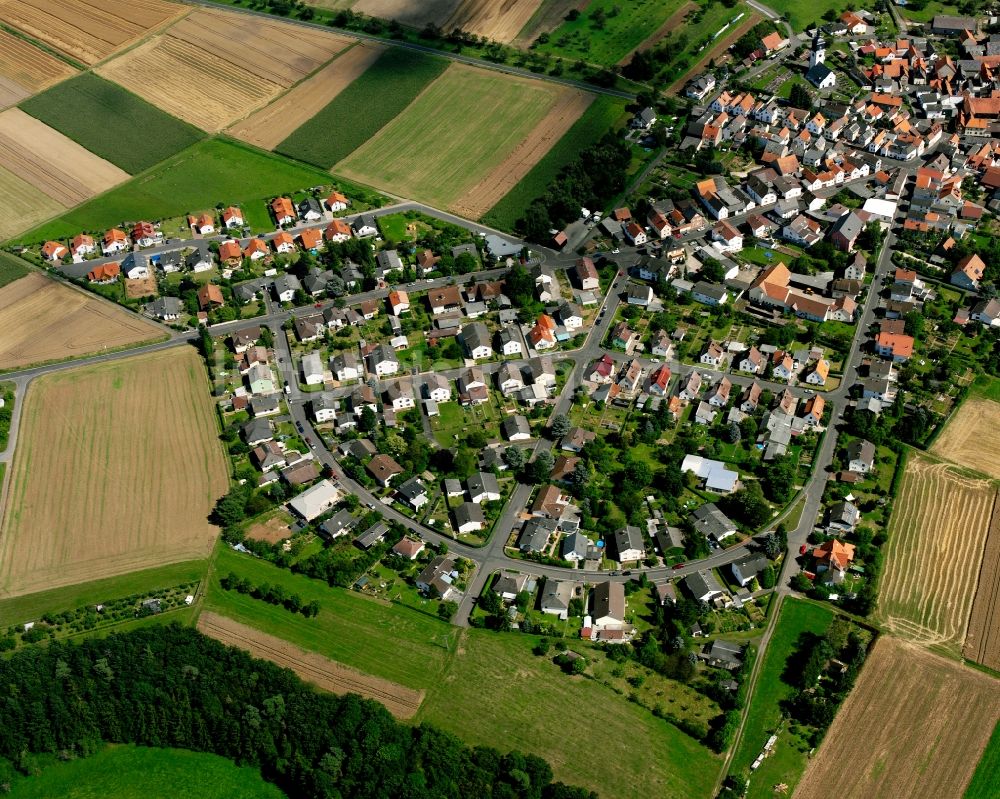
[(212, 171), (597, 120), (363, 108), (11, 268), (987, 775), (135, 772), (112, 122)]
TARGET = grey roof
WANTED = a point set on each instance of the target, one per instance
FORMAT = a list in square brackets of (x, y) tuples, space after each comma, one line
[(201, 255), (751, 564), (481, 482), (372, 535), (339, 523), (286, 282), (576, 543), (169, 258), (309, 204), (166, 306), (412, 488), (469, 512), (711, 521), (257, 430), (556, 594), (629, 537), (513, 425), (861, 450), (702, 583), (476, 335), (535, 534)]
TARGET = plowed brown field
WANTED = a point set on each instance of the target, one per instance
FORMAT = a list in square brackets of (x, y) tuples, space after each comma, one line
[(215, 67), (116, 469), (272, 125), (499, 20), (568, 107), (935, 547), (972, 437), (409, 12), (320, 671), (25, 69), (914, 726), (983, 641), (52, 163), (88, 30)]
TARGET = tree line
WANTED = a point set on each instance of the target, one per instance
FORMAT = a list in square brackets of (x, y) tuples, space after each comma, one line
[(273, 594), (170, 686)]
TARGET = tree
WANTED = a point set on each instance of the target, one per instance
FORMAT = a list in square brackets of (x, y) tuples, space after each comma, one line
[(712, 271), (801, 583), (539, 470), (559, 425), (369, 421), (515, 458), (779, 478), (767, 577), (799, 96), (748, 505), (734, 433)]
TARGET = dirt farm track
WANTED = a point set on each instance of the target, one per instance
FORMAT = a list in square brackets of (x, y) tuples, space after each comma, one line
[(116, 469), (914, 726), (320, 671)]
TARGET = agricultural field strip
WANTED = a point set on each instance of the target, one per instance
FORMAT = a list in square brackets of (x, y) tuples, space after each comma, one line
[(328, 674), (274, 123), (568, 108), (88, 31), (24, 205), (982, 642), (929, 578), (90, 500), (435, 148), (30, 68), (43, 320), (673, 21), (56, 165), (914, 725), (210, 70), (971, 438), (499, 21)]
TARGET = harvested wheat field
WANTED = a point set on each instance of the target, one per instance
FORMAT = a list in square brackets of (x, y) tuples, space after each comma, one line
[(972, 437), (26, 69), (44, 320), (215, 67), (568, 108), (416, 13), (116, 469), (55, 165), (982, 644), (936, 536), (272, 125), (914, 726), (322, 672), (499, 20), (88, 30), (24, 206)]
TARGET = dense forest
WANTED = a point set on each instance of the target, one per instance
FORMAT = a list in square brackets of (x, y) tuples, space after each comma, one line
[(171, 686)]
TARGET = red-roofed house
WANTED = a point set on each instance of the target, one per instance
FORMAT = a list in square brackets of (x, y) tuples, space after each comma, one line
[(283, 210), (833, 559), (81, 245), (210, 296), (229, 251), (969, 272), (115, 240), (310, 239), (232, 217), (337, 201), (337, 230), (897, 346), (54, 251), (106, 273)]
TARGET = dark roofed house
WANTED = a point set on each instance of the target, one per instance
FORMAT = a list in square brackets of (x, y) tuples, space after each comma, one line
[(748, 567), (384, 469), (414, 492), (703, 586), (437, 577), (372, 535), (711, 521), (722, 655), (341, 523), (535, 535)]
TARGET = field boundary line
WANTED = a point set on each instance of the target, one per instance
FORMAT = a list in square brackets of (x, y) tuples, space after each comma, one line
[(42, 46)]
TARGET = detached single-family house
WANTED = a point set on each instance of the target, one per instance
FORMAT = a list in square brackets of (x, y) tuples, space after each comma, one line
[(556, 596), (316, 501), (283, 211), (438, 577), (746, 569), (54, 251), (629, 545), (861, 456), (414, 493), (384, 469), (469, 518), (477, 340)]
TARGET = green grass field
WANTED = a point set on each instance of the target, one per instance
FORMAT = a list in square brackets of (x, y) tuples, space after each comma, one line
[(597, 120), (210, 172), (441, 146), (987, 775), (607, 30), (30, 606), (797, 616), (112, 122), (132, 772), (803, 13), (929, 11), (11, 268), (378, 638), (533, 706), (363, 108)]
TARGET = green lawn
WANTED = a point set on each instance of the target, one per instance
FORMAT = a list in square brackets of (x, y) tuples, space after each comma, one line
[(987, 775), (983, 386), (29, 607), (803, 13), (364, 107), (211, 172), (378, 638), (11, 268), (131, 772), (441, 145), (929, 11), (797, 616), (600, 117), (112, 122), (607, 30), (534, 707)]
